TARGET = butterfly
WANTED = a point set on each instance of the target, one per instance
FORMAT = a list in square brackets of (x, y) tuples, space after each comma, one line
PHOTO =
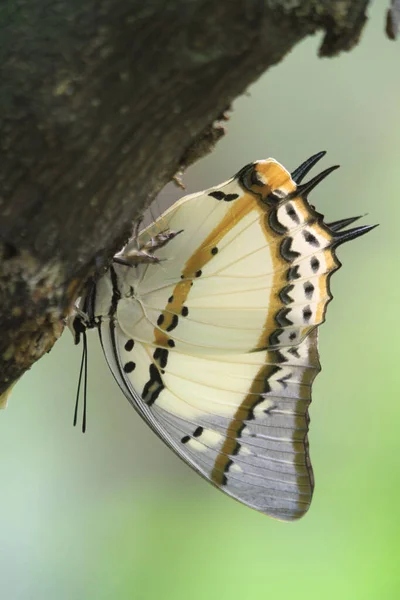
[(208, 321)]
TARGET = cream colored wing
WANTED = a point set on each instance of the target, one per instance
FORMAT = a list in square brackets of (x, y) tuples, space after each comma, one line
[(216, 346)]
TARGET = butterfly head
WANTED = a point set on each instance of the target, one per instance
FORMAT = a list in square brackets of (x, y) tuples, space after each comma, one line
[(77, 326), (82, 316)]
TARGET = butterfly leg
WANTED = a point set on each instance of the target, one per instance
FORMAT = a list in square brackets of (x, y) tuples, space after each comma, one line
[(160, 240), (144, 253)]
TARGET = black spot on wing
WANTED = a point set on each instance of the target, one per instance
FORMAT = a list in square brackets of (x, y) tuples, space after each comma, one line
[(293, 273), (129, 367), (153, 387), (284, 294), (267, 389), (274, 337), (219, 195), (275, 224), (236, 449), (281, 317), (290, 211), (283, 380), (286, 250), (228, 464), (255, 179), (198, 431), (173, 324), (278, 357), (161, 356), (266, 385), (240, 429), (310, 238), (314, 264), (308, 289), (294, 352), (129, 345)]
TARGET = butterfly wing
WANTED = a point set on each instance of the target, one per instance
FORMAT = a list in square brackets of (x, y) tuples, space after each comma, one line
[(216, 347), (239, 420)]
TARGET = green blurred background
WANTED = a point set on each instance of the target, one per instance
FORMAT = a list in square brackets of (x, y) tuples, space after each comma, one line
[(114, 514)]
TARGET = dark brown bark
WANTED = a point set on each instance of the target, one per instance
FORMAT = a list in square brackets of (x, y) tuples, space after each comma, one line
[(101, 102)]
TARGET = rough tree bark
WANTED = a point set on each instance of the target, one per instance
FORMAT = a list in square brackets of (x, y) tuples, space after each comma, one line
[(101, 102)]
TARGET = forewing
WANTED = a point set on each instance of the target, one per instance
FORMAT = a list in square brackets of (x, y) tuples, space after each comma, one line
[(243, 275)]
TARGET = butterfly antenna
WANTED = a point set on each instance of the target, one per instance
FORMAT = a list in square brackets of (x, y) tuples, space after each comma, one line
[(83, 372), (79, 382), (85, 352)]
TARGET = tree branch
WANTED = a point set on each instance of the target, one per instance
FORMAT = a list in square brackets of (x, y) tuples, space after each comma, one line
[(101, 102)]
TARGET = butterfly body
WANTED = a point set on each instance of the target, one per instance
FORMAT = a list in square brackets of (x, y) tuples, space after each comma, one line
[(215, 343)]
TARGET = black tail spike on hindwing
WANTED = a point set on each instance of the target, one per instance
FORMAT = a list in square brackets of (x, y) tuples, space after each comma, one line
[(342, 223), (305, 188), (351, 234), (301, 171)]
